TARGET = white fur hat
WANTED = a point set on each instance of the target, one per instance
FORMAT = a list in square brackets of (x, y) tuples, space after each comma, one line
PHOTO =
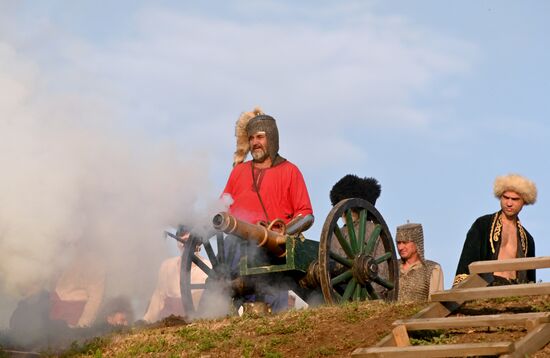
[(518, 184)]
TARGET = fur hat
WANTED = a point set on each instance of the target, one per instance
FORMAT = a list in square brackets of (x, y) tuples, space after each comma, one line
[(411, 232), (241, 133), (352, 186), (518, 184)]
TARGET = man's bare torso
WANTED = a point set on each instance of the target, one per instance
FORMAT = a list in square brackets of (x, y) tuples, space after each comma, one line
[(508, 246)]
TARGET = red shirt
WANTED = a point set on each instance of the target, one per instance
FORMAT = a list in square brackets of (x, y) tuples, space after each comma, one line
[(281, 187)]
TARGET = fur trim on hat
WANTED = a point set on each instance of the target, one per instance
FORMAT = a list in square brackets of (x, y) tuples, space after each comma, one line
[(243, 146), (518, 184), (352, 186)]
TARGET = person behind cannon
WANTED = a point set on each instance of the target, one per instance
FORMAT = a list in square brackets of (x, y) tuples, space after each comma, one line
[(47, 316), (78, 292), (116, 312), (30, 325), (501, 235), (267, 188), (418, 277), (166, 299), (369, 189)]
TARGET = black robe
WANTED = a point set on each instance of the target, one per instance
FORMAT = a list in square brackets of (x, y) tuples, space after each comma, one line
[(483, 243)]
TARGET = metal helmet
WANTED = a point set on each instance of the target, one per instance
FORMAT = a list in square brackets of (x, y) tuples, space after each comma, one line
[(412, 232), (267, 124)]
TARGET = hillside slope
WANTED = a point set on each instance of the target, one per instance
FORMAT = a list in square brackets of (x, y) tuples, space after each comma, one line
[(317, 332), (326, 331)]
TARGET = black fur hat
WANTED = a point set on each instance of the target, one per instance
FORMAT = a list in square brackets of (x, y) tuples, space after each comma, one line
[(352, 186)]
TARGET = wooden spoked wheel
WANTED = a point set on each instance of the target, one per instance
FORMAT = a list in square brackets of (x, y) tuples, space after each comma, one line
[(207, 283), (357, 257)]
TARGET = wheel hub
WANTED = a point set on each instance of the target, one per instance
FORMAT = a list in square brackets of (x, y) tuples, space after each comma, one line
[(364, 269)]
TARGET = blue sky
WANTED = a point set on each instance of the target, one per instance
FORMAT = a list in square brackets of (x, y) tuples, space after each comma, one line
[(434, 99)]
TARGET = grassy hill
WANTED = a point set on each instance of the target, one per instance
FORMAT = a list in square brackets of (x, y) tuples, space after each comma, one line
[(326, 331)]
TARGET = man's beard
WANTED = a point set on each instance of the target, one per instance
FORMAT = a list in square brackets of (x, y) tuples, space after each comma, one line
[(260, 155)]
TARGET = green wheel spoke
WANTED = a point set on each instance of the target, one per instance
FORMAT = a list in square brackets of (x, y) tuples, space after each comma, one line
[(340, 259), (357, 293), (210, 253), (341, 278), (343, 243), (362, 228), (385, 283), (372, 292), (372, 239), (351, 232), (364, 294), (383, 258), (356, 245), (350, 289), (207, 270), (337, 296)]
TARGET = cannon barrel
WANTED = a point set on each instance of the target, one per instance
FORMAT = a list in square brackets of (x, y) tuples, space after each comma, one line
[(269, 239)]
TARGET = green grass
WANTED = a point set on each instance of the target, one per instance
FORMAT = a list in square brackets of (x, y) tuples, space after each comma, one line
[(270, 354), (204, 339), (544, 307), (247, 347), (156, 346), (428, 337), (283, 326), (92, 348)]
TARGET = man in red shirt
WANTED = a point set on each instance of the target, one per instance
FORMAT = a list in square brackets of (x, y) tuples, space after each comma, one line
[(268, 187)]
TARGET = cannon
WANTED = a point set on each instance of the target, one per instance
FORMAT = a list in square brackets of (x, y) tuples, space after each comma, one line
[(354, 260)]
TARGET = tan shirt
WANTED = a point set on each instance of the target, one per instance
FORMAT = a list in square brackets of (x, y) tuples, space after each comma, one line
[(168, 285)]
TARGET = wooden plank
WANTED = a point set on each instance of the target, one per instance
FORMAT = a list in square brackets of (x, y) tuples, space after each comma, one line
[(442, 309), (438, 350), (524, 263), (401, 336), (463, 294), (531, 324), (439, 309), (526, 319), (531, 342)]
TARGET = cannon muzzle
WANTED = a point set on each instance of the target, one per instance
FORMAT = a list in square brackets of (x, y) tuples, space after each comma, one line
[(269, 239)]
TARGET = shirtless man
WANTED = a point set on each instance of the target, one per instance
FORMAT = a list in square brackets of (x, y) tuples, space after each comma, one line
[(500, 235)]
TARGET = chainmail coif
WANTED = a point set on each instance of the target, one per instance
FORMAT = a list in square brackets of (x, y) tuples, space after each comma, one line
[(412, 232), (267, 124)]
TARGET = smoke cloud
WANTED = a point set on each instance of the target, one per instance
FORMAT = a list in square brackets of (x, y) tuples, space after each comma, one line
[(75, 178)]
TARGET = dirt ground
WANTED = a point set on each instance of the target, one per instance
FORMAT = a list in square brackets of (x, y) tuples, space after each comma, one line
[(500, 306), (326, 331), (318, 332)]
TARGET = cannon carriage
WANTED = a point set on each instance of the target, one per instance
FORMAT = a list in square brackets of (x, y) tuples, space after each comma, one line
[(354, 260)]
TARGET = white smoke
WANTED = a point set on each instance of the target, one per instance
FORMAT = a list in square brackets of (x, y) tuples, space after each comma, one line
[(73, 176)]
